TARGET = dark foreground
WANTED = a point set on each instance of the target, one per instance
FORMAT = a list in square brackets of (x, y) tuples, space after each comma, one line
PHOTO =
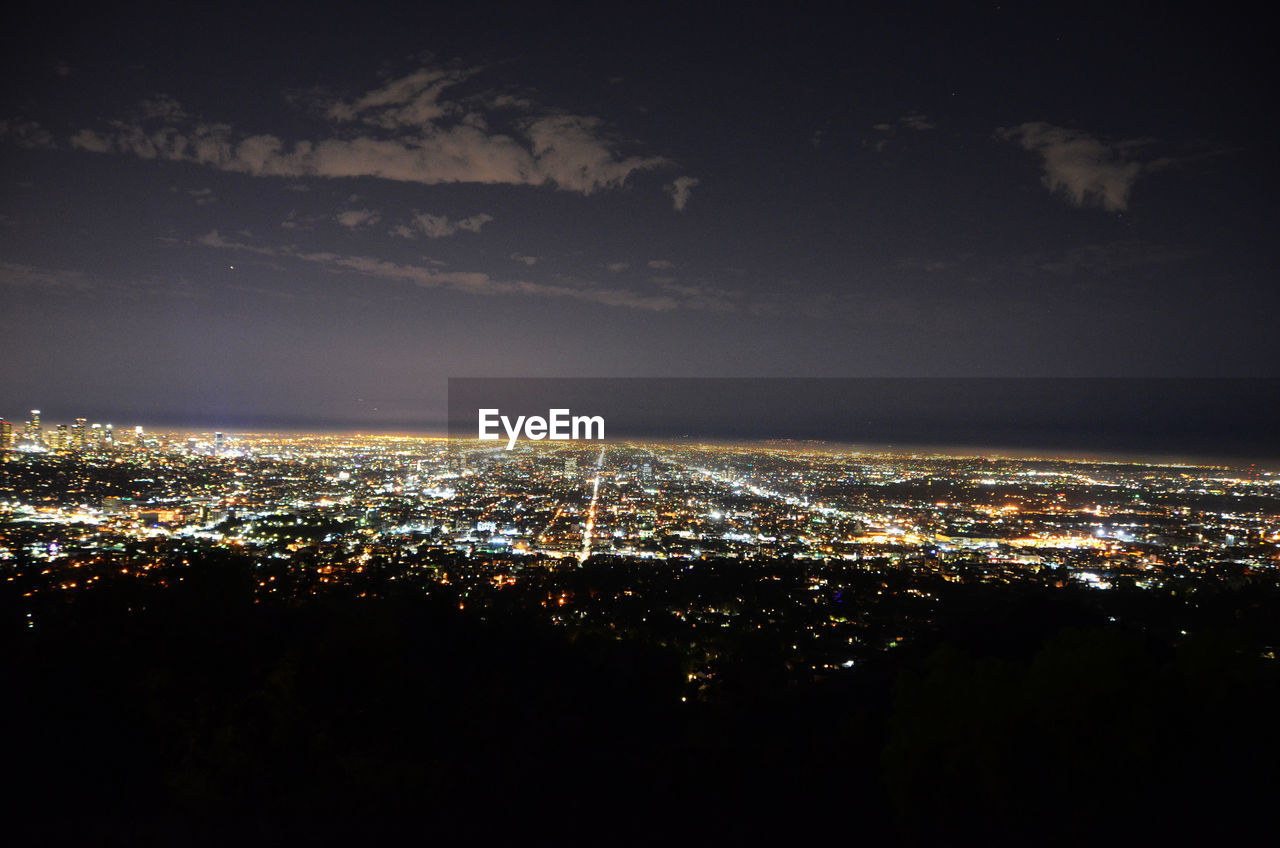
[(192, 715)]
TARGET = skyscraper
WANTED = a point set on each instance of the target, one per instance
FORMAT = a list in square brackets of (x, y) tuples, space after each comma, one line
[(32, 431), (78, 435), (6, 435)]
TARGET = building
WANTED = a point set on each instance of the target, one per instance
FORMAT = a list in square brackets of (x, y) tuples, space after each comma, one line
[(6, 435), (32, 430), (79, 436)]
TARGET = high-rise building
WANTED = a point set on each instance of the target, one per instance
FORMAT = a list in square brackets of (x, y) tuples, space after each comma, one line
[(32, 431), (78, 435), (109, 435), (219, 441), (6, 435), (59, 438), (95, 435)]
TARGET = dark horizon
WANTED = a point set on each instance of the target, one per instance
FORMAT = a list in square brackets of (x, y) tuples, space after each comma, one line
[(1223, 421)]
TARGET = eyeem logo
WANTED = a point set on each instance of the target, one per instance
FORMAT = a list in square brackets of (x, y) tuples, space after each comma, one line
[(558, 426)]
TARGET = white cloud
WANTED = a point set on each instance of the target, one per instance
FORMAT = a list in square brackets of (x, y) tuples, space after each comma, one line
[(65, 282), (570, 152), (412, 134), (478, 283), (355, 219), (1083, 168), (680, 189), (440, 226), (295, 221), (615, 267), (213, 238), (482, 284), (701, 296), (527, 260), (49, 280), (27, 134), (916, 121), (412, 100)]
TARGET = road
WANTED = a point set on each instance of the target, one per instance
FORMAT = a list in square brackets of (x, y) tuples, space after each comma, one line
[(589, 527)]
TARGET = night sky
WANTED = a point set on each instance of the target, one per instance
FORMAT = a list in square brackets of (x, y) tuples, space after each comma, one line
[(301, 216)]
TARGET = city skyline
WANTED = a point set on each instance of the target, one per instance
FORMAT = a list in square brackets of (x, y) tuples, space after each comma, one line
[(83, 436), (637, 424), (1193, 419), (393, 618)]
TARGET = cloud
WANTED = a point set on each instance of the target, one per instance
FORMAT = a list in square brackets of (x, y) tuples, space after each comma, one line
[(412, 100), (27, 134), (213, 238), (916, 121), (64, 282), (355, 219), (440, 226), (913, 263), (570, 152), (202, 196), (406, 131), (1110, 258), (1103, 268), (661, 264), (680, 189), (162, 107), (49, 280), (467, 282), (701, 296), (615, 267), (1086, 170), (527, 260), (295, 221)]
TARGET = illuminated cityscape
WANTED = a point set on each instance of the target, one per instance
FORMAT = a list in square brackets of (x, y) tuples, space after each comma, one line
[(783, 424), (870, 540), (716, 609)]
